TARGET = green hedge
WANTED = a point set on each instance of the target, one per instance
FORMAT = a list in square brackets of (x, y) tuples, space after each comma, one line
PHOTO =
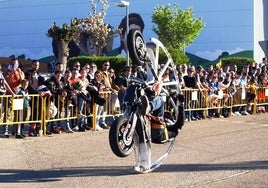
[(117, 62), (238, 61)]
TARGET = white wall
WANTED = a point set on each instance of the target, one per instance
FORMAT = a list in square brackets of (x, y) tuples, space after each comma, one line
[(260, 27)]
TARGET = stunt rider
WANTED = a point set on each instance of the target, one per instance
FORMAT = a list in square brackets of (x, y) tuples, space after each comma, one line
[(161, 132), (154, 109)]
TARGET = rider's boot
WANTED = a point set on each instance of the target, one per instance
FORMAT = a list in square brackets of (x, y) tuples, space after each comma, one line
[(143, 157)]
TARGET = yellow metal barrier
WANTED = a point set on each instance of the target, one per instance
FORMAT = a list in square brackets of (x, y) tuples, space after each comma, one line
[(110, 109), (68, 112), (13, 112)]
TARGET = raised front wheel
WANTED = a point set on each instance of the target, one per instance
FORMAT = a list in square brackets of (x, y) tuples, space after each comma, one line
[(120, 141)]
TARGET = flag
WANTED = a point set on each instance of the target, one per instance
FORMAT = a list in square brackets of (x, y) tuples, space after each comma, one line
[(218, 64)]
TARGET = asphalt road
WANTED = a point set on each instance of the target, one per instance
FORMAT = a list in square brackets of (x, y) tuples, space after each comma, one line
[(230, 152)]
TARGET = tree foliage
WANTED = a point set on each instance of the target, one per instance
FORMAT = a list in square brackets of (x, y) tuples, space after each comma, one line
[(94, 25), (176, 28), (63, 35), (65, 32)]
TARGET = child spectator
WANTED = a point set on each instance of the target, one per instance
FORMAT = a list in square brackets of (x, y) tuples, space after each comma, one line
[(251, 94), (23, 115)]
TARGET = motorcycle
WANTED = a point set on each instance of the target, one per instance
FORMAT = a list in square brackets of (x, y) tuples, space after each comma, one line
[(137, 131)]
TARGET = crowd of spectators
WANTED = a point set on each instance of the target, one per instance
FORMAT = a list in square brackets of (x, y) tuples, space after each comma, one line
[(227, 79), (75, 87)]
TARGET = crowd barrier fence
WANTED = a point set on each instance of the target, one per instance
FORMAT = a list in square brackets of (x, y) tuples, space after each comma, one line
[(14, 112)]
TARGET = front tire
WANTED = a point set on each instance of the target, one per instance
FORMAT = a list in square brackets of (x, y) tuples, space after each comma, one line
[(121, 145), (136, 47)]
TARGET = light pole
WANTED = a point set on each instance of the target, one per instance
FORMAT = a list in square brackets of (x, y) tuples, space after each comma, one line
[(125, 4)]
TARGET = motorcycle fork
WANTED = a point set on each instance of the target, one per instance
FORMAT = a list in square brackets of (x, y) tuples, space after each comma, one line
[(143, 149), (132, 125), (146, 127)]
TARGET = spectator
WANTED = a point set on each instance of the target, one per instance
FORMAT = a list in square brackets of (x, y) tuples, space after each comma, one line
[(212, 98), (14, 75), (181, 80), (251, 94), (262, 80), (215, 87), (225, 87), (113, 78), (87, 68), (56, 87), (264, 62), (69, 100), (233, 68), (23, 115), (5, 88), (106, 80), (190, 82), (198, 75), (122, 84), (74, 79), (32, 75), (98, 84), (83, 99), (210, 69), (59, 66), (92, 70), (77, 66), (115, 89), (106, 75), (246, 69), (184, 70), (43, 91), (226, 70)]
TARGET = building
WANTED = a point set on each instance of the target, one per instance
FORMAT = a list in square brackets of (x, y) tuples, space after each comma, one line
[(260, 29)]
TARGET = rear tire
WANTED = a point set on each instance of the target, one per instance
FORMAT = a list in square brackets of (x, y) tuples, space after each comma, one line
[(121, 145)]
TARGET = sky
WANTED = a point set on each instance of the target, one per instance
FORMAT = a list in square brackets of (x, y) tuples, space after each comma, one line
[(24, 24)]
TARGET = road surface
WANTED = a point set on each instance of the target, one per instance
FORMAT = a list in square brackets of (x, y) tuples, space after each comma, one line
[(230, 152)]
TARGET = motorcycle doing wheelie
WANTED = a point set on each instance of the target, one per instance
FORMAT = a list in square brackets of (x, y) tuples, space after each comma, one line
[(137, 129)]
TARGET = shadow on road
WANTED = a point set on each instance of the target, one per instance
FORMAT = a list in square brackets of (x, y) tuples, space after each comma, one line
[(27, 176), (248, 165), (49, 175)]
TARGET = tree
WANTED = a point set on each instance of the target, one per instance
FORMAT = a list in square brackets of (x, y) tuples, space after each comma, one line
[(223, 54), (94, 28), (97, 32), (176, 28), (63, 35)]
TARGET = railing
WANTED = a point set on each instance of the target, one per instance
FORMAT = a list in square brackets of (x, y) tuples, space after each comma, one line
[(13, 111)]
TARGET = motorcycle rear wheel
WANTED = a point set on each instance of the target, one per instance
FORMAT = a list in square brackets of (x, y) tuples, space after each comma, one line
[(121, 144)]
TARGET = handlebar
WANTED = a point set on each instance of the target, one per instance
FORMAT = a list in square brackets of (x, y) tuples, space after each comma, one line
[(138, 81)]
